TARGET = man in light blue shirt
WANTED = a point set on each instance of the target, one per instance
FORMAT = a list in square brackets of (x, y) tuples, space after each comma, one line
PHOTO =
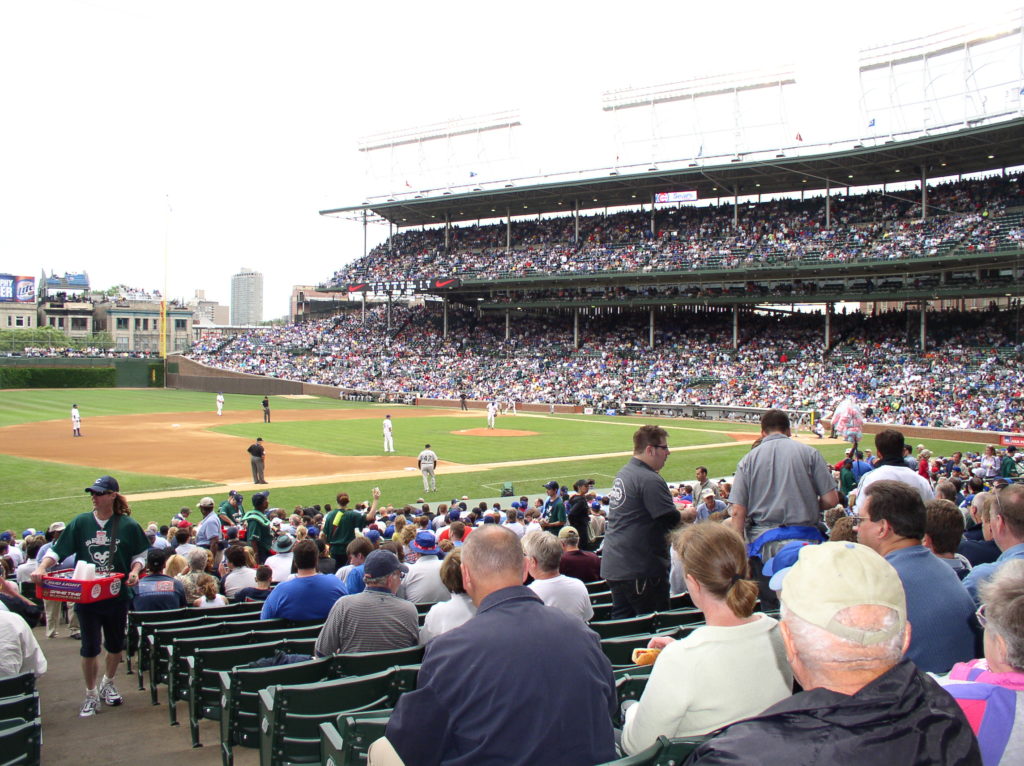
[(1007, 522), (209, 531)]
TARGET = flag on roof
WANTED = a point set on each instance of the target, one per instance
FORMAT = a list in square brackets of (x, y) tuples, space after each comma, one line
[(799, 137)]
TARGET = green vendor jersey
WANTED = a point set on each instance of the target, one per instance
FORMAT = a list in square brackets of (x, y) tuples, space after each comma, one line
[(556, 515), (340, 529), (89, 540)]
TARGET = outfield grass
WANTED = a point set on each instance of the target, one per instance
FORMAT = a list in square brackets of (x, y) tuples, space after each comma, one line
[(39, 492), (556, 437), (30, 406)]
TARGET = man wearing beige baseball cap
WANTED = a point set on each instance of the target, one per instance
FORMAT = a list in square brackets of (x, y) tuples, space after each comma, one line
[(844, 625)]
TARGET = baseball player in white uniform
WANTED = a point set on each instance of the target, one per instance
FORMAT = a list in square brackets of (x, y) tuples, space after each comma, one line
[(426, 462), (220, 404), (76, 421), (492, 411), (389, 442)]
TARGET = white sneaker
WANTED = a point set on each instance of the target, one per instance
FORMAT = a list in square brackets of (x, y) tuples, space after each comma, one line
[(90, 707), (109, 694)]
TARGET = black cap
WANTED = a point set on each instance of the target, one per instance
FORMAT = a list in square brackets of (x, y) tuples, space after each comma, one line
[(103, 485), (551, 485)]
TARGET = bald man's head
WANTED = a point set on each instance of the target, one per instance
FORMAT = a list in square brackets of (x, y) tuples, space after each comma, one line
[(492, 559)]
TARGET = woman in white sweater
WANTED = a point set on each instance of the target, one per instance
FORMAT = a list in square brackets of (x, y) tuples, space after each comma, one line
[(732, 668)]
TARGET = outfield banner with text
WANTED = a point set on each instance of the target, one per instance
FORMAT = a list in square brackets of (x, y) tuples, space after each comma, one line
[(1015, 440), (17, 289)]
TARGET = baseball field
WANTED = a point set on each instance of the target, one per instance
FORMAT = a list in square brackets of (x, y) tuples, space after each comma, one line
[(169, 448)]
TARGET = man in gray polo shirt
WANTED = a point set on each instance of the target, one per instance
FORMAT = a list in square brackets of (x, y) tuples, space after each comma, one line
[(635, 558), (780, 483)]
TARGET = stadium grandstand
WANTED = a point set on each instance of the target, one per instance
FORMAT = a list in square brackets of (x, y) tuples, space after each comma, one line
[(792, 276)]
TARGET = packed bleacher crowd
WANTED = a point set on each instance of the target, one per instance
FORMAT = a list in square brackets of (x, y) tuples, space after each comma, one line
[(970, 377), (755, 594), (963, 215)]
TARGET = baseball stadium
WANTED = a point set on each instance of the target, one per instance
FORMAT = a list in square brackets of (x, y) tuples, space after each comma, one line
[(524, 330)]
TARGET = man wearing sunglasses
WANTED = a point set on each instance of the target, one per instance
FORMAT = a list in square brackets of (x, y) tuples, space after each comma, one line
[(109, 538), (635, 559)]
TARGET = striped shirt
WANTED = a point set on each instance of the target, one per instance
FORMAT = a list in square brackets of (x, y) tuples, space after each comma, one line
[(371, 621)]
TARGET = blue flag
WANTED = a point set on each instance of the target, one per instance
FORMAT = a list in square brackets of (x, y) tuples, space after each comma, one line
[(872, 123)]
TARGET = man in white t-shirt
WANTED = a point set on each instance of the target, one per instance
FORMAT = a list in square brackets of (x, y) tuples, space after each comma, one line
[(889, 444), (389, 442), (281, 563), (422, 583), (543, 554)]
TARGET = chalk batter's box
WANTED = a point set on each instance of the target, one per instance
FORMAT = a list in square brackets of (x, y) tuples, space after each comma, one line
[(58, 586)]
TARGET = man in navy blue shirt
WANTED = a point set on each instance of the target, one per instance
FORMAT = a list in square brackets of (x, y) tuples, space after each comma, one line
[(158, 591), (310, 595), (512, 708)]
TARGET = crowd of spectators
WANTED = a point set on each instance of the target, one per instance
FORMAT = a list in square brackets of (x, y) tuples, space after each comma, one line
[(970, 376), (874, 226)]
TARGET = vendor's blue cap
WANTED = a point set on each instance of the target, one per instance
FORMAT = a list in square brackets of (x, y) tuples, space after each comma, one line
[(516, 504), (103, 485)]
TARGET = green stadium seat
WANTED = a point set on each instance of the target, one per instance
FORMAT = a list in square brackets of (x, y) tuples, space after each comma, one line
[(597, 586), (365, 663), (602, 612), (182, 649), (290, 716), (682, 601), (13, 686), (644, 757), (630, 687), (161, 637), (424, 608), (25, 706), (600, 596), (137, 619), (202, 684), (20, 742), (239, 692), (664, 752), (677, 617), (347, 741), (626, 627)]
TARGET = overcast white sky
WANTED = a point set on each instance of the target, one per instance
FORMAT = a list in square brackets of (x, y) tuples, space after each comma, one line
[(242, 117)]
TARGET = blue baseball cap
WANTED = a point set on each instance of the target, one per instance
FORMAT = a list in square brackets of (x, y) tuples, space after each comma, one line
[(425, 543), (373, 535), (381, 563), (103, 485)]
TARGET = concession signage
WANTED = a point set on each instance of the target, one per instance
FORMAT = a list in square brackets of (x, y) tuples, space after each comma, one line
[(406, 285)]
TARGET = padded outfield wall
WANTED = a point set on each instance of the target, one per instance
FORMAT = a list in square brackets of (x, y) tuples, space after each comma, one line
[(62, 372)]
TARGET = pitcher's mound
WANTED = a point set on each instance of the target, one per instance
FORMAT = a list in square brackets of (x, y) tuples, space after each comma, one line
[(494, 432)]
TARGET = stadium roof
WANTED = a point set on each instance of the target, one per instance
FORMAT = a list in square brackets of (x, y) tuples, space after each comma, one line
[(969, 150)]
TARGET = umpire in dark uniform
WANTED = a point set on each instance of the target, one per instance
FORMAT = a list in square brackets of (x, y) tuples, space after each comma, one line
[(257, 454)]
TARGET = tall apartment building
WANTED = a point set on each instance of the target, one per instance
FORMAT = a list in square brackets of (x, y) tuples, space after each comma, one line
[(246, 297)]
